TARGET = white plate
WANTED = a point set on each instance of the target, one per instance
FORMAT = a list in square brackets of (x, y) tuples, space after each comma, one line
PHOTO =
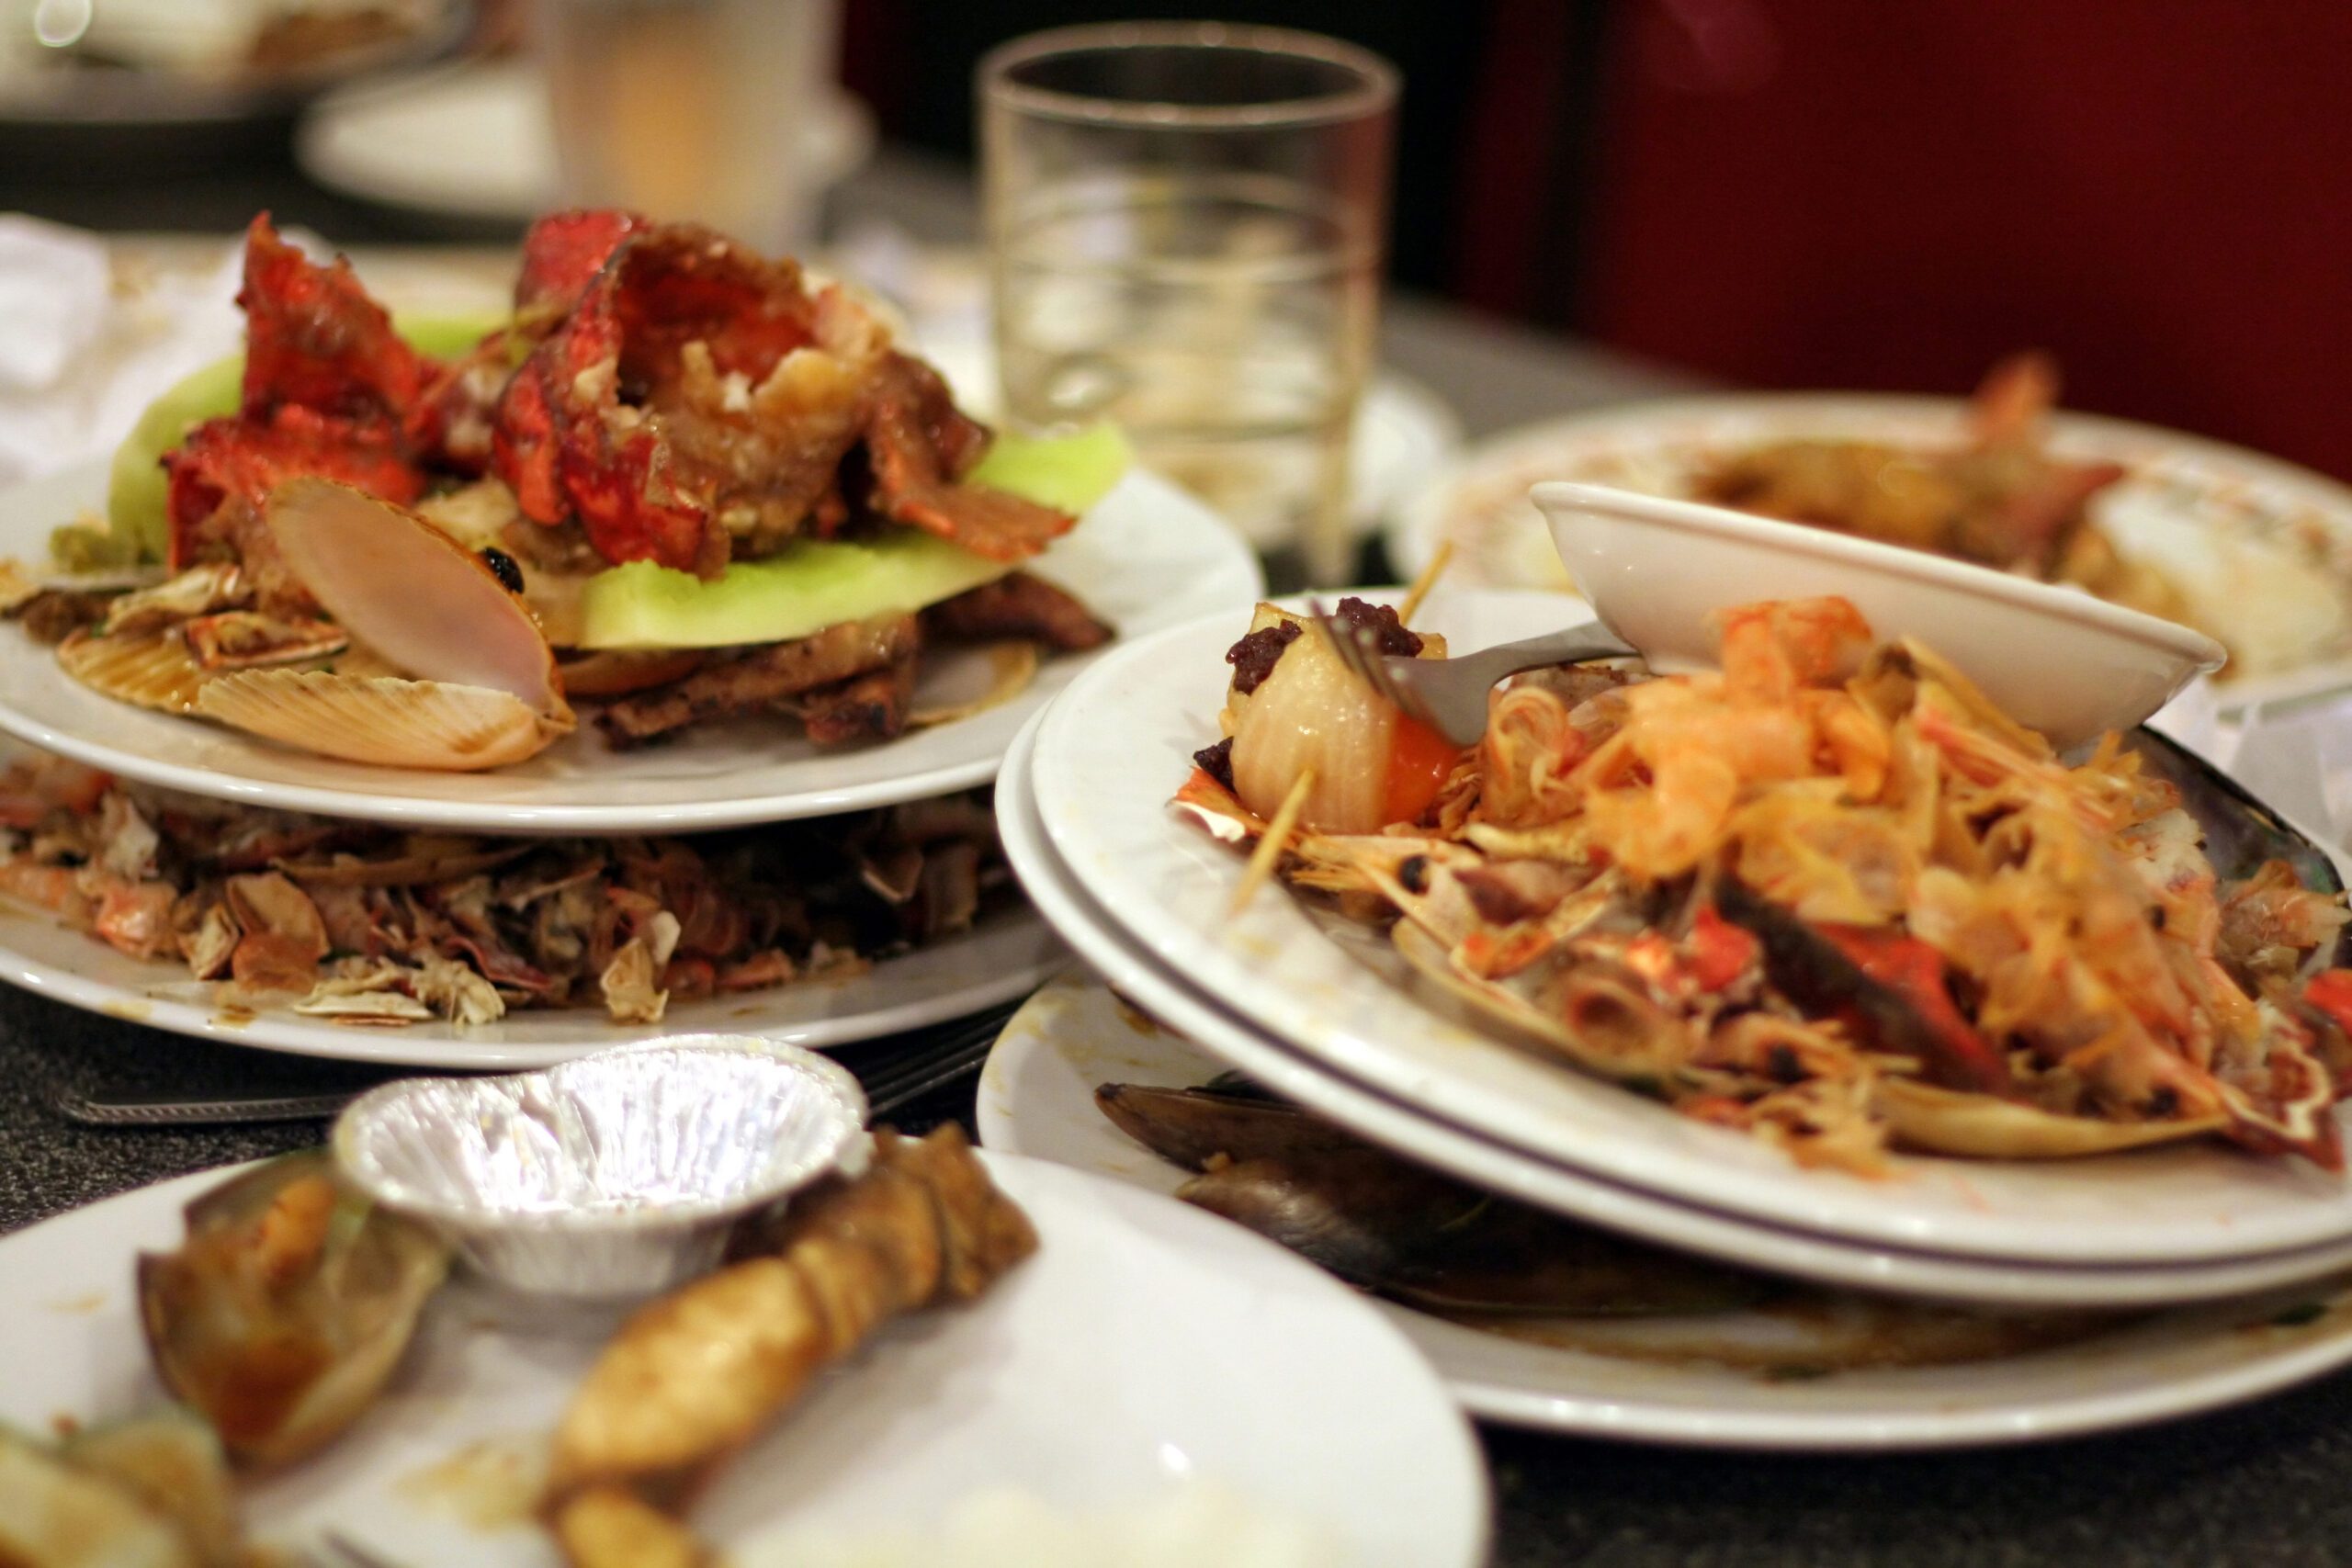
[(1406, 1123), (1000, 958), (476, 140), (1145, 1345), (1114, 748), (1036, 1099), (1148, 556), (2228, 527), (1404, 435)]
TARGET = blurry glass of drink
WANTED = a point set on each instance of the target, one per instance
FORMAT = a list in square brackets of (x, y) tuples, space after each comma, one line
[(1186, 225), (690, 110)]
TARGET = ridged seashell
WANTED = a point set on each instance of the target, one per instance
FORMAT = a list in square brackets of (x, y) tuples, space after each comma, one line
[(152, 669), (245, 640), (383, 720), (404, 588), (214, 585)]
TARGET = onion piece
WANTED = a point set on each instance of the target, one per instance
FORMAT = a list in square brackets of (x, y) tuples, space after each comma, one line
[(1311, 712)]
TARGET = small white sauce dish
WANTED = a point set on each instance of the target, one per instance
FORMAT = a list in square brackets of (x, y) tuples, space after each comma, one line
[(612, 1176), (2056, 658)]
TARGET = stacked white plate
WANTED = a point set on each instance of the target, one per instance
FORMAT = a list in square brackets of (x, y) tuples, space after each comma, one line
[(1146, 557), (1323, 1013)]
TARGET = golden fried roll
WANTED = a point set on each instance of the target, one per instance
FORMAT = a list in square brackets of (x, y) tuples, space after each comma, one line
[(696, 1375)]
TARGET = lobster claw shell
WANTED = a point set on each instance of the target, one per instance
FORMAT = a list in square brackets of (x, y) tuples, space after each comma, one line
[(477, 686)]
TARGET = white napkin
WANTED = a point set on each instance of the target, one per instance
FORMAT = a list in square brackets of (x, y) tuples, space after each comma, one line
[(82, 352)]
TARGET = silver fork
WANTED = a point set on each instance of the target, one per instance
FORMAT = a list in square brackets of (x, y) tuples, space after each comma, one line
[(1450, 694)]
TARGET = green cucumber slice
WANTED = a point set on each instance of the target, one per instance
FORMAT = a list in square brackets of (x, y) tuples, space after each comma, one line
[(812, 584)]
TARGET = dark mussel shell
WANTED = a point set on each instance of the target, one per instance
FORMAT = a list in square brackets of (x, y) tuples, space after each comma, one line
[(2240, 834)]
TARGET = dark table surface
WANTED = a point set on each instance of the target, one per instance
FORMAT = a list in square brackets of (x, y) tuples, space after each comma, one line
[(2269, 1483)]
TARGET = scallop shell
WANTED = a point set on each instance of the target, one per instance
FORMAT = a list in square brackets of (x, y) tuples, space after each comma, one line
[(385, 720), (150, 669), (211, 586), (413, 593)]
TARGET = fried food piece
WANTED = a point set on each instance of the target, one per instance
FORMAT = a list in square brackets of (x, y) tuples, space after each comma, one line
[(917, 445), (1020, 606), (697, 1374), (607, 1528), (762, 678), (869, 707)]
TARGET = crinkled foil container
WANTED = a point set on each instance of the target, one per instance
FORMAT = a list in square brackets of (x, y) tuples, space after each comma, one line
[(613, 1176)]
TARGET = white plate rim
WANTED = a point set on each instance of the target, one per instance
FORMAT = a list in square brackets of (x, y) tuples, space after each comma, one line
[(1903, 1418), (1130, 854), (1218, 567), (1458, 1493)]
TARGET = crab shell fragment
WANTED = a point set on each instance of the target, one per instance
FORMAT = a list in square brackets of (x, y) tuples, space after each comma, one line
[(479, 687)]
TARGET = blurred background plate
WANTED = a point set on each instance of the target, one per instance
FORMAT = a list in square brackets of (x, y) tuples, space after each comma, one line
[(474, 141), (149, 86), (2259, 549)]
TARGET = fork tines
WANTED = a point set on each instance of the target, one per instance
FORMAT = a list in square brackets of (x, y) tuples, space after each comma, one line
[(1362, 656)]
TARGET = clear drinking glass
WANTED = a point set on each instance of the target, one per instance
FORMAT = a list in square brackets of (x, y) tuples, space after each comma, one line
[(1186, 225), (689, 108)]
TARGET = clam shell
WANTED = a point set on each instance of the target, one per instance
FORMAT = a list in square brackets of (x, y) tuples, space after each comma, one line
[(1948, 1121), (384, 721), (150, 669), (402, 587), (210, 586)]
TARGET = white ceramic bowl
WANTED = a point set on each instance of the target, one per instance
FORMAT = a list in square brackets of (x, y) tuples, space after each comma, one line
[(2055, 659)]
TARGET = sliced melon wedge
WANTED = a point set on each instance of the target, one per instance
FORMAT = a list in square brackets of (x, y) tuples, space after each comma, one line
[(813, 583)]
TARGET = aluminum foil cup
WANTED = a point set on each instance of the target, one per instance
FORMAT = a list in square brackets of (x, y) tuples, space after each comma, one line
[(616, 1175)]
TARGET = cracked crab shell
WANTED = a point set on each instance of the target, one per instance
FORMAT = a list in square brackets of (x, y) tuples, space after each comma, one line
[(384, 719)]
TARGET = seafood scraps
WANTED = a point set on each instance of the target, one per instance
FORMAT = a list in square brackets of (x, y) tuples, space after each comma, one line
[(366, 925), (2001, 498), (694, 1377), (1395, 1228), (1833, 896), (677, 456)]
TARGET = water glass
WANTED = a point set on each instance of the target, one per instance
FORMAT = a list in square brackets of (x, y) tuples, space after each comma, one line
[(690, 108), (1186, 225)]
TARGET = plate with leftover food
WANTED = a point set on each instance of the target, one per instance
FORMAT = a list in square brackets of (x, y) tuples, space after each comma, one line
[(2255, 551), (968, 1306), (1542, 1322), (327, 937), (1549, 1178), (1717, 984), (684, 542)]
